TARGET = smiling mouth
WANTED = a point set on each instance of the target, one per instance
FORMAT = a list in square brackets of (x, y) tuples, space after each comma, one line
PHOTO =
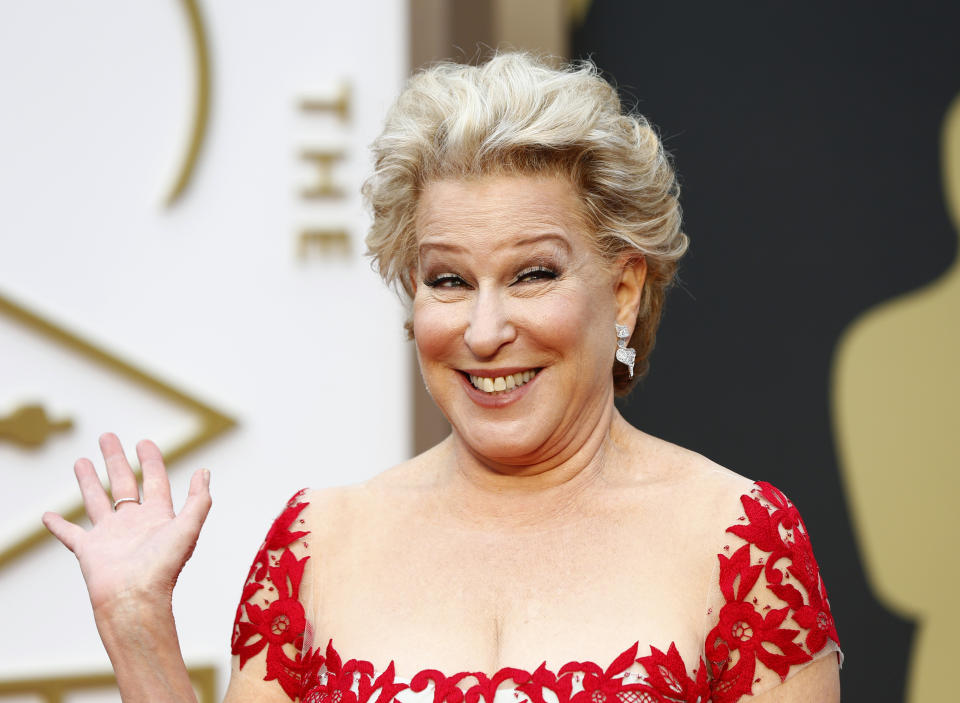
[(501, 384)]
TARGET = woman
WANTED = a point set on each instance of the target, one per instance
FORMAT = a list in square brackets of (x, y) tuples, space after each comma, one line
[(546, 543)]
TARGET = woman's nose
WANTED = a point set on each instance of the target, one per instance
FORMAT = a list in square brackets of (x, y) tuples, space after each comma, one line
[(489, 327)]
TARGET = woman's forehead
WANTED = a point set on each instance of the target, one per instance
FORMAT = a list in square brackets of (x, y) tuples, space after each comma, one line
[(499, 211)]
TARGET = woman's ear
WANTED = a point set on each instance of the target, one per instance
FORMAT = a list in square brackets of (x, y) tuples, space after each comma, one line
[(628, 287)]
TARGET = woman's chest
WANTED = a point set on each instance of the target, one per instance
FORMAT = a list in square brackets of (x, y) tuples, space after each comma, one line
[(466, 601)]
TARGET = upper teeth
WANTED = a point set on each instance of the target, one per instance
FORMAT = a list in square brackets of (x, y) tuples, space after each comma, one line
[(502, 383)]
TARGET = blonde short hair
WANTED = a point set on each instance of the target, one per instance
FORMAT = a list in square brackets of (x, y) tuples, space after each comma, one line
[(517, 114)]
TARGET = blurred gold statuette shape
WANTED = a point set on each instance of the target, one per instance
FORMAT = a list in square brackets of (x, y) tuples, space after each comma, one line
[(577, 11), (213, 422), (30, 426), (201, 109), (896, 409), (59, 689)]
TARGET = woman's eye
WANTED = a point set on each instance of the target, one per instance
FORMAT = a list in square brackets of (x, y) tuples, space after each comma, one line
[(445, 280), (535, 273)]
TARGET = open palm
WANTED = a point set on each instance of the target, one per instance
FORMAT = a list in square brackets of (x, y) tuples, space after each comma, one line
[(137, 549)]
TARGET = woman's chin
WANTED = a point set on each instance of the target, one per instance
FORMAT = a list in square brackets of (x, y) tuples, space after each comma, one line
[(504, 445)]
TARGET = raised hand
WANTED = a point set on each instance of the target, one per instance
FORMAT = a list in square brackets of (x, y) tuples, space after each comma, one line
[(138, 549)]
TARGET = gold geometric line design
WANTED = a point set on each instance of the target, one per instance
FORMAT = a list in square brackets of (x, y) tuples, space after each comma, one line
[(213, 422), (54, 689), (201, 113)]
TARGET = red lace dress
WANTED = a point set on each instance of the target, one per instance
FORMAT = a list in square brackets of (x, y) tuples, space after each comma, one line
[(768, 618)]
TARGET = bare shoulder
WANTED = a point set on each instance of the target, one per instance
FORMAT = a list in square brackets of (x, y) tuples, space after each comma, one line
[(338, 509), (690, 481), (663, 460)]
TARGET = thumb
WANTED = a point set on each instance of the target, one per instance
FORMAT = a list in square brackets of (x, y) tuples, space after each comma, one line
[(65, 531)]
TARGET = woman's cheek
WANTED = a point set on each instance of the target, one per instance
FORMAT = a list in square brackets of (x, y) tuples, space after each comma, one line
[(564, 320), (434, 329)]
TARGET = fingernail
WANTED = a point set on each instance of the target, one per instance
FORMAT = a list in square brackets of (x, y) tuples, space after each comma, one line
[(206, 477)]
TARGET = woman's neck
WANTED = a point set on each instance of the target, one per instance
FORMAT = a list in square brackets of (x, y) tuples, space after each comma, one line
[(478, 490)]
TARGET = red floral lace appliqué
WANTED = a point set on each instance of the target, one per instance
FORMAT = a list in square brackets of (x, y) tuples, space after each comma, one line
[(282, 621), (747, 632), (776, 558), (330, 680)]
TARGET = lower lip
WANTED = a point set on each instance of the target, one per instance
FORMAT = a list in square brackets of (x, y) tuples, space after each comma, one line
[(496, 400)]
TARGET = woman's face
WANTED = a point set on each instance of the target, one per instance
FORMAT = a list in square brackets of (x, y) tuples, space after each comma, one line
[(514, 314)]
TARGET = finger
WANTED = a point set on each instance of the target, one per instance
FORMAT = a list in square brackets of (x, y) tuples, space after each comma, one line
[(156, 486), (123, 484), (95, 499), (198, 501), (65, 531)]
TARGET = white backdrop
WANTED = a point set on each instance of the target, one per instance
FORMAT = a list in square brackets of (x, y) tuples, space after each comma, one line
[(209, 295)]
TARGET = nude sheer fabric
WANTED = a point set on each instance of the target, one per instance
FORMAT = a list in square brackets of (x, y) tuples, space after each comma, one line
[(766, 616)]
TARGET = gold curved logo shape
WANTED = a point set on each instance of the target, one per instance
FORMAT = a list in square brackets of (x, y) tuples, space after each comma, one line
[(29, 425), (201, 109)]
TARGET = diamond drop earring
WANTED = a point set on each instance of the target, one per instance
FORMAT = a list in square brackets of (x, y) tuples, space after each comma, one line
[(625, 355)]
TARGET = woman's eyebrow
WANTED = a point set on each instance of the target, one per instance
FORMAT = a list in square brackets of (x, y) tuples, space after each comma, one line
[(439, 245), (524, 241), (528, 240)]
